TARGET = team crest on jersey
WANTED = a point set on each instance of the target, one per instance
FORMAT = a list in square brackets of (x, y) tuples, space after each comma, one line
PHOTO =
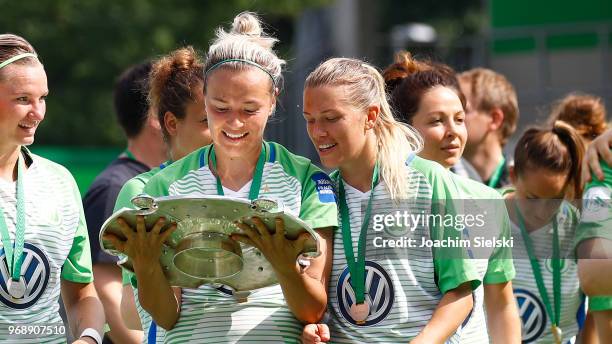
[(324, 186), (379, 294), (48, 214), (596, 204), (36, 272), (564, 265), (533, 315)]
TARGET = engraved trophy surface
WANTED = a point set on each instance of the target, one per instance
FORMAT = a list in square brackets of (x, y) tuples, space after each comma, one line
[(200, 251)]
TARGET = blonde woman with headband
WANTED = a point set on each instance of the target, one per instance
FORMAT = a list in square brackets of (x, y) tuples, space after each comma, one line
[(383, 294), (44, 246), (242, 76)]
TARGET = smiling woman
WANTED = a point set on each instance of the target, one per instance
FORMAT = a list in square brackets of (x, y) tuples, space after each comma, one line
[(427, 96), (390, 294), (242, 75), (23, 89), (41, 218)]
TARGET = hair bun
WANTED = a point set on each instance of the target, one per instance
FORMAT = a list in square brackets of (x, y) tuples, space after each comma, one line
[(184, 58), (404, 65), (247, 23)]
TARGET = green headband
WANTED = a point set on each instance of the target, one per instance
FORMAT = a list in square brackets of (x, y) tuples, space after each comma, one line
[(216, 65), (15, 58)]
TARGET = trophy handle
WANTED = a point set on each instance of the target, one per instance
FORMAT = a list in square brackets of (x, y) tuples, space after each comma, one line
[(145, 204)]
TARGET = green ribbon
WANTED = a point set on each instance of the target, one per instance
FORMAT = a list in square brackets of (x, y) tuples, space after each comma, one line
[(356, 268), (497, 173), (537, 272), (255, 185), (13, 258)]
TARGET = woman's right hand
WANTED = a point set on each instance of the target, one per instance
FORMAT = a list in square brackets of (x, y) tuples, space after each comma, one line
[(315, 333), (599, 148), (142, 246)]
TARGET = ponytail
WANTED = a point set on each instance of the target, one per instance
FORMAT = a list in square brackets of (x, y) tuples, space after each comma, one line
[(558, 148)]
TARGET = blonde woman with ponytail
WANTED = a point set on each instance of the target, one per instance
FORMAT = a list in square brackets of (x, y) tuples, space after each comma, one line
[(242, 76), (377, 293)]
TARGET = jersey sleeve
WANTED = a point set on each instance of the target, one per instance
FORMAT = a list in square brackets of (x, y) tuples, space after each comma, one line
[(77, 266), (318, 207), (596, 220), (159, 184), (452, 265), (130, 189), (500, 268)]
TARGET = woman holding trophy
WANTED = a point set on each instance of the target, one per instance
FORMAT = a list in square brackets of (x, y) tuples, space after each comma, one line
[(242, 76)]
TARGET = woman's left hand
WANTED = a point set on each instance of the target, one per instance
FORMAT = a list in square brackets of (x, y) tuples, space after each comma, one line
[(281, 252)]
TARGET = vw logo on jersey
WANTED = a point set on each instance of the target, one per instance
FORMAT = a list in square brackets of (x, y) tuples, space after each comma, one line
[(379, 294), (533, 315), (35, 271)]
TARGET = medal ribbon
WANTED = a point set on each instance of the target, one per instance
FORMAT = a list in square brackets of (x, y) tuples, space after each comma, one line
[(255, 185), (356, 268), (537, 272), (13, 258), (497, 173)]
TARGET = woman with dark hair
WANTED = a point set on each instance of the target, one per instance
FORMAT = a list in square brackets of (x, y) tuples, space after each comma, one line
[(546, 177), (427, 96), (176, 96)]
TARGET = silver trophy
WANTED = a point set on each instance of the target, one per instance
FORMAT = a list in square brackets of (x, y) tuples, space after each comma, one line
[(200, 251)]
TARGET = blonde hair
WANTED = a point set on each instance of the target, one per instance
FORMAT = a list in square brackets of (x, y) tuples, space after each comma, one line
[(366, 87), (245, 41), (12, 45)]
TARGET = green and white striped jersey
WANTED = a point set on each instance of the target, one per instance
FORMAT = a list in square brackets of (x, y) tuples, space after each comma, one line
[(596, 222), (498, 268), (534, 319), (56, 246), (131, 188), (403, 285), (210, 315)]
